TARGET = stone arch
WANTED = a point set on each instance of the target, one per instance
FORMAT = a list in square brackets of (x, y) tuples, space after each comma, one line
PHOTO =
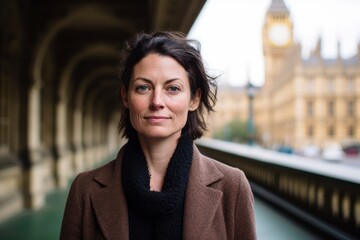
[(94, 112), (85, 16), (61, 108), (78, 17), (78, 113)]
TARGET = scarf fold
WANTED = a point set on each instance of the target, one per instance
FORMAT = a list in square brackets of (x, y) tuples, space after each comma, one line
[(165, 208)]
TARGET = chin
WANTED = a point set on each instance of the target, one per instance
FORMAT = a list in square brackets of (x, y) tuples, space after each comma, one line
[(160, 135)]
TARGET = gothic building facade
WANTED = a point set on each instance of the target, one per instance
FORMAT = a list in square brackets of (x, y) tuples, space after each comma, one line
[(303, 101)]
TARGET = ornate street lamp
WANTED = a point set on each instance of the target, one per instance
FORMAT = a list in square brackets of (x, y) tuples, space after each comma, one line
[(251, 90)]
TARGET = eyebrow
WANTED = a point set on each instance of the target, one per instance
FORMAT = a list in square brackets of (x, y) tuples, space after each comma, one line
[(149, 81)]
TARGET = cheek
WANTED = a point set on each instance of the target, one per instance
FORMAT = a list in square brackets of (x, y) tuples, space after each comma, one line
[(136, 108), (180, 107), (136, 105)]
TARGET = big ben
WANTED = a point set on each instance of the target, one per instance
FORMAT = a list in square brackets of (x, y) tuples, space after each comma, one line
[(312, 101), (277, 39)]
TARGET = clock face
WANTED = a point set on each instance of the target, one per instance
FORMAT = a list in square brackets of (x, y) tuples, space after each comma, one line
[(279, 34)]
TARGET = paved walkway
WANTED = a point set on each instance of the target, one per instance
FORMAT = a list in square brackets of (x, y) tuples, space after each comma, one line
[(42, 224), (272, 224)]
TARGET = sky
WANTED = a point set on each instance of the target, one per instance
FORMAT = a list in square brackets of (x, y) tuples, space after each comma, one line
[(230, 33)]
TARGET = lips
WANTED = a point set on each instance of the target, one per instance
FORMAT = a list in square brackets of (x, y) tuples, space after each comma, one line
[(156, 119)]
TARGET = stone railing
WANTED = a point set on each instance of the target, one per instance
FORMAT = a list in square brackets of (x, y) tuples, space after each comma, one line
[(324, 195)]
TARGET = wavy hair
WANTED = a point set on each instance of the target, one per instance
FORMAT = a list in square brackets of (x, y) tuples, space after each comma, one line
[(187, 53)]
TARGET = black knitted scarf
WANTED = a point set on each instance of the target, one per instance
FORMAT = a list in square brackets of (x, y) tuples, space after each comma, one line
[(163, 210)]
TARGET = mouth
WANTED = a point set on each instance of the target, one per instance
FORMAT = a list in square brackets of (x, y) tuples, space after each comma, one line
[(156, 117)]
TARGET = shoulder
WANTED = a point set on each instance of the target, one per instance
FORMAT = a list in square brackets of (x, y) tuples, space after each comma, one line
[(90, 174), (104, 174), (226, 169), (232, 177), (237, 197), (87, 181), (237, 201), (228, 176), (206, 164)]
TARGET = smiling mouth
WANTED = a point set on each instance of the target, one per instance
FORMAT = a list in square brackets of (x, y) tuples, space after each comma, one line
[(156, 117)]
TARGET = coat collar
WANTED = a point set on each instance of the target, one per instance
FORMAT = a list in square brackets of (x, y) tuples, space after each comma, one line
[(201, 201), (109, 202)]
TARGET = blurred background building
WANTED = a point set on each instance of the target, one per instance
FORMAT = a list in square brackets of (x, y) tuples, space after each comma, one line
[(304, 101)]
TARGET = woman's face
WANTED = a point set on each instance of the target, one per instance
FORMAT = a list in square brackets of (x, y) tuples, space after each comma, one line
[(159, 97)]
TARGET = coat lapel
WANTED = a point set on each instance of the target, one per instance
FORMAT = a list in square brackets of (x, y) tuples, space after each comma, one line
[(109, 202), (202, 201)]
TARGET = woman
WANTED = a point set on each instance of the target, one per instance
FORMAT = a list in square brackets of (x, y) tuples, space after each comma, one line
[(160, 186)]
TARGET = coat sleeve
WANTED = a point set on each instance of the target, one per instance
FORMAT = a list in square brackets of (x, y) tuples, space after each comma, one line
[(72, 219), (245, 217)]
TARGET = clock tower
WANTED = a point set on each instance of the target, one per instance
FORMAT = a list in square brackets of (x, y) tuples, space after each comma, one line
[(277, 39)]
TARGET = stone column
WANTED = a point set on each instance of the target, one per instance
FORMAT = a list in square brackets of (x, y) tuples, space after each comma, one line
[(78, 140), (64, 167), (33, 173)]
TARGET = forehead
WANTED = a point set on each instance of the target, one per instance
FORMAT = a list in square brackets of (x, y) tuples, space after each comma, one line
[(158, 59), (155, 65)]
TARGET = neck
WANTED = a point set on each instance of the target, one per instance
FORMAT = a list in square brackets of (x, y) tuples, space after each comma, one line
[(158, 153)]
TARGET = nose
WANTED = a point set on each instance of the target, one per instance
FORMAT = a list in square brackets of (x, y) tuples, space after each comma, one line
[(157, 101)]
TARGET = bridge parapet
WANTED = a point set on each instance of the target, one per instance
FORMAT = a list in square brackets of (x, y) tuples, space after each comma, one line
[(325, 195)]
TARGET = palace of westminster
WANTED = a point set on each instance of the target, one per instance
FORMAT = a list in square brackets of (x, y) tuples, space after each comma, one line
[(312, 101)]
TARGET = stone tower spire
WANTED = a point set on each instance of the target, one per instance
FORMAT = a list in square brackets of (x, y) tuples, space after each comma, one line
[(318, 48), (339, 49), (277, 6), (277, 39)]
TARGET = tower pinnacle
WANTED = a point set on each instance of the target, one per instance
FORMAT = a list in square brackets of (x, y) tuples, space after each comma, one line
[(278, 6)]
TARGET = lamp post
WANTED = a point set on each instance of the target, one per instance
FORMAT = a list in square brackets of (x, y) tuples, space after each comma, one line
[(250, 90)]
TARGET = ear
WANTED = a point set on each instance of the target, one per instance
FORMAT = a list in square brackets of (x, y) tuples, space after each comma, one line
[(124, 97), (195, 100)]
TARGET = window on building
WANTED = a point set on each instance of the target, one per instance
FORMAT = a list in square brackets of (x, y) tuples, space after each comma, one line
[(331, 109), (310, 108), (330, 131), (310, 85), (351, 131), (310, 131), (351, 109), (351, 85), (331, 84)]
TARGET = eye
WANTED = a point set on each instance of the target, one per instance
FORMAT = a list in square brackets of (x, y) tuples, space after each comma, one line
[(142, 88), (173, 89)]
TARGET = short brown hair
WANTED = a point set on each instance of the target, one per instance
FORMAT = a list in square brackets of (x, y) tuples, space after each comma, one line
[(187, 53)]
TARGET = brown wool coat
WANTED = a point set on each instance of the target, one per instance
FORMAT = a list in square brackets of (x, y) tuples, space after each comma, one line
[(218, 203)]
